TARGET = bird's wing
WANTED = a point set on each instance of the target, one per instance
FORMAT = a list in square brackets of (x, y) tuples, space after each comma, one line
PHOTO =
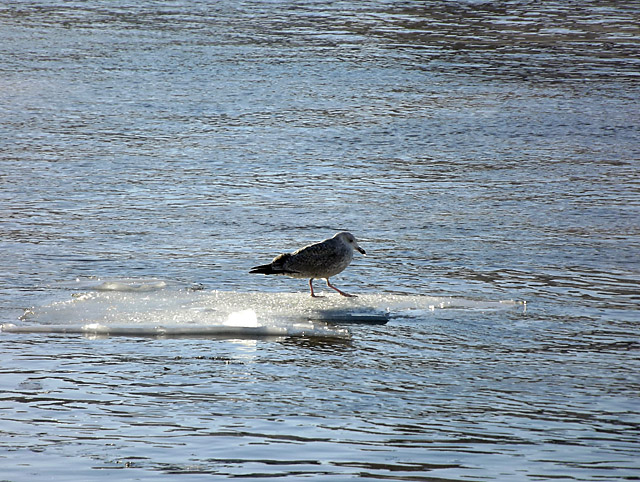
[(312, 258)]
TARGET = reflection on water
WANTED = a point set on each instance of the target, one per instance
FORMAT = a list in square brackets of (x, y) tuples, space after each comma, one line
[(439, 393), (514, 40), (482, 151)]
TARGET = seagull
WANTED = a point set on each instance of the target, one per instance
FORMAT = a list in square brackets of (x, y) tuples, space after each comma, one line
[(319, 260)]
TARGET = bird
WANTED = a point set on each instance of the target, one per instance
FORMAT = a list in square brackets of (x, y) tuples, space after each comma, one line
[(315, 261)]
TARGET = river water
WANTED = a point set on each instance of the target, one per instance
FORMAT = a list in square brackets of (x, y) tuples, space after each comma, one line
[(485, 154)]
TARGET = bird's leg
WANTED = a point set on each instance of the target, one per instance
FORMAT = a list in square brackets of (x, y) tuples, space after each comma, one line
[(313, 295), (339, 291)]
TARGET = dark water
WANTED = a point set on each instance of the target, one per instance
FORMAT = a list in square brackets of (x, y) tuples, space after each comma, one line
[(480, 151)]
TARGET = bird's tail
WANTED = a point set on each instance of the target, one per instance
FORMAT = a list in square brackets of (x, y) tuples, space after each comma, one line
[(264, 269), (277, 266)]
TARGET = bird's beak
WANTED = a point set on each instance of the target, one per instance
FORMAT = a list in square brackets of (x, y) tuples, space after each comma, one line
[(364, 253)]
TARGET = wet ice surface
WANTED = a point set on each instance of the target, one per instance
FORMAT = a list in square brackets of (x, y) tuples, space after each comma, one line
[(167, 308)]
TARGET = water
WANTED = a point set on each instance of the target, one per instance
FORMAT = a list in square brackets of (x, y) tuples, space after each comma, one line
[(482, 152)]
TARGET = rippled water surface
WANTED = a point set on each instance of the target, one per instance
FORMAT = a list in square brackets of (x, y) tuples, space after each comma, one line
[(485, 154)]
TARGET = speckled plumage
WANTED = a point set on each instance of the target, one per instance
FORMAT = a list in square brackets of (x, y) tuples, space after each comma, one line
[(319, 260)]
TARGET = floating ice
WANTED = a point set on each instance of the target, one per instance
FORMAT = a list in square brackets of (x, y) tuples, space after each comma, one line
[(159, 308)]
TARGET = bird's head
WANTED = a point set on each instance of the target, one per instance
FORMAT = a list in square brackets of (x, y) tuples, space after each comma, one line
[(350, 239)]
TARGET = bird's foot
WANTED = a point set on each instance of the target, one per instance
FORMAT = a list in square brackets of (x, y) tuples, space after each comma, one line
[(347, 295)]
